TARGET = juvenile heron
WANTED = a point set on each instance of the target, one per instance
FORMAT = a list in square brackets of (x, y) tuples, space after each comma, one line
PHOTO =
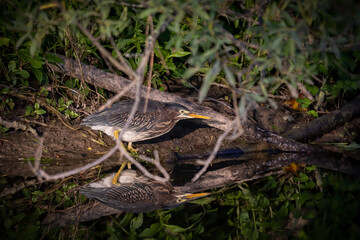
[(138, 194)]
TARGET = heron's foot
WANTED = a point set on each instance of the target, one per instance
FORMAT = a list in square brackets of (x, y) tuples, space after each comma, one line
[(115, 180), (132, 150)]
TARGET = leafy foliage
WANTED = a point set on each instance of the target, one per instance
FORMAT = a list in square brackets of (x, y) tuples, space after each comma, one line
[(260, 46)]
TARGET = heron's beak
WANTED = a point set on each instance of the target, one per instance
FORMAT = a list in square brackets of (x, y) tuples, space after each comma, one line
[(192, 115)]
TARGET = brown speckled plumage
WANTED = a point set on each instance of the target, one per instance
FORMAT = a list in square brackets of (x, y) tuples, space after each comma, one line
[(159, 119), (137, 197)]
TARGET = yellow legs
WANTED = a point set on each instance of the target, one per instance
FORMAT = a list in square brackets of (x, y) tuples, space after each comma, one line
[(115, 180)]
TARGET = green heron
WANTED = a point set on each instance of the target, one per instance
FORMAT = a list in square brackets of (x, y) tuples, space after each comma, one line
[(159, 119), (142, 195)]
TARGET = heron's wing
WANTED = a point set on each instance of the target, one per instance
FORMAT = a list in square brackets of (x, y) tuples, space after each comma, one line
[(119, 112), (138, 197)]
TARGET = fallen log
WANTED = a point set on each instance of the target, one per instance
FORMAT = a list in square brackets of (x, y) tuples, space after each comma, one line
[(325, 123)]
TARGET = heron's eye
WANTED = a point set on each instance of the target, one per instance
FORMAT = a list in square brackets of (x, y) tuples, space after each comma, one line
[(182, 111), (180, 200)]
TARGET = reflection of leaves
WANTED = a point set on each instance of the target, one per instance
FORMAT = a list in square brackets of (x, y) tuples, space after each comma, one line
[(174, 228), (202, 201), (136, 223), (150, 232)]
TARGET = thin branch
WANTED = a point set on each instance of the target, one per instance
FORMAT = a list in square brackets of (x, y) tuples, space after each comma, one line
[(117, 96), (119, 55), (305, 91), (151, 26), (120, 146), (238, 43), (157, 164), (208, 161), (122, 66)]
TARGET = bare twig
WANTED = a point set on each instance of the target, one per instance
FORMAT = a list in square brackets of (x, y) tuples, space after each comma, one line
[(117, 96), (305, 91), (122, 66), (238, 43), (208, 161), (120, 146), (157, 164), (151, 26)]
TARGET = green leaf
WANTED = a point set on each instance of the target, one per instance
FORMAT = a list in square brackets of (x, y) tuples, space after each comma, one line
[(12, 65), (40, 111), (209, 79), (5, 90), (36, 62), (302, 177), (196, 216), (313, 113), (147, 12), (179, 54), (229, 76), (25, 74), (190, 72), (4, 41), (53, 58), (29, 110), (37, 193), (33, 46), (38, 74)]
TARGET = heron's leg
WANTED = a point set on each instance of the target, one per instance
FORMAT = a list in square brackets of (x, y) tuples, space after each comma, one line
[(115, 180), (116, 133)]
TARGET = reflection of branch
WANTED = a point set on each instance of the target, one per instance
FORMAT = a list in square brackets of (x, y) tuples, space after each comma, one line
[(17, 126), (41, 174)]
